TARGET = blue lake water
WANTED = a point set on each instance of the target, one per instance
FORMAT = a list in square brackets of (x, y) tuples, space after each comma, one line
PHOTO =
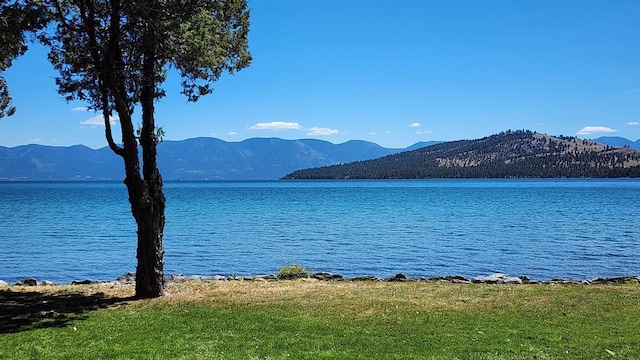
[(570, 228)]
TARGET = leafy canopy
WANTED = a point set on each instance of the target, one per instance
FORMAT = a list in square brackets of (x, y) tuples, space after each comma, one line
[(99, 40)]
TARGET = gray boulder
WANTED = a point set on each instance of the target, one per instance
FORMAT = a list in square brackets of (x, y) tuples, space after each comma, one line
[(564, 281), (614, 280), (366, 278), (454, 279), (27, 282), (400, 277), (526, 280), (497, 278), (126, 279), (325, 276)]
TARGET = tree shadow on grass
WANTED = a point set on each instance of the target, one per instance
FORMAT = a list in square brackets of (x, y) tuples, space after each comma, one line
[(27, 310)]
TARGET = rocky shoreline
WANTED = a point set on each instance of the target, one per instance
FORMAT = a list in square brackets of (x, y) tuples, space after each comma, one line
[(497, 278)]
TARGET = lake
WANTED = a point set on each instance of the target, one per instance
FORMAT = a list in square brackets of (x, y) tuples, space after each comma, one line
[(543, 228)]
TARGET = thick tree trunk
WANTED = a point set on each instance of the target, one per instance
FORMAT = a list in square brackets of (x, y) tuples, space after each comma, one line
[(147, 206), (146, 198), (150, 219)]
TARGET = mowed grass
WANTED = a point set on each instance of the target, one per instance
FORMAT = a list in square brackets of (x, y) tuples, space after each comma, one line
[(324, 320)]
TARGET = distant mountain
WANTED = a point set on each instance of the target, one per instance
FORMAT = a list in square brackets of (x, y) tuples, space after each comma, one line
[(38, 162), (191, 159), (422, 144), (618, 141), (257, 158), (505, 155)]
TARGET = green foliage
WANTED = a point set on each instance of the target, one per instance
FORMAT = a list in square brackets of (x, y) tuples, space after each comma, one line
[(159, 133), (511, 154), (294, 271), (96, 42), (15, 20), (351, 321), (5, 100)]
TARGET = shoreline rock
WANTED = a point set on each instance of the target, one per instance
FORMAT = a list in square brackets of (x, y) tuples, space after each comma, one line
[(27, 282), (455, 279), (179, 278), (614, 280), (325, 276), (496, 278)]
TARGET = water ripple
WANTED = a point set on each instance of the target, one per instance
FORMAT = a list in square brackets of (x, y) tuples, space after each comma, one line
[(541, 228)]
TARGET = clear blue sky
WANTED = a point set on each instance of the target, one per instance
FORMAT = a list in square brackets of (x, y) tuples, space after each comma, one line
[(390, 72)]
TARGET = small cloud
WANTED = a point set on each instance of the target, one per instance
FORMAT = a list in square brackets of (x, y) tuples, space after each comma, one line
[(633, 123), (316, 131), (588, 130), (419, 132), (373, 133), (79, 108), (276, 126), (415, 125), (233, 133), (35, 140), (212, 134), (98, 120)]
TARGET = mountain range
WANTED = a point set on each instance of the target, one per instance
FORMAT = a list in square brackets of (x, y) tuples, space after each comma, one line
[(618, 141), (201, 159), (191, 159), (509, 154)]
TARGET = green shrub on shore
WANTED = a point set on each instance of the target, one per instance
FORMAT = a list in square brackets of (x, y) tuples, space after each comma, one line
[(290, 272), (324, 320)]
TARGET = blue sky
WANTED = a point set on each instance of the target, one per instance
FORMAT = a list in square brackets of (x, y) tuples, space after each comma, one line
[(391, 72)]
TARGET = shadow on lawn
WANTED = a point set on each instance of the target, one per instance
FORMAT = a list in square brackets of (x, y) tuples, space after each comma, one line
[(26, 310)]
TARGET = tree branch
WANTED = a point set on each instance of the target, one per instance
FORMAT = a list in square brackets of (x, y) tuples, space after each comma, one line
[(60, 13), (88, 17), (107, 127)]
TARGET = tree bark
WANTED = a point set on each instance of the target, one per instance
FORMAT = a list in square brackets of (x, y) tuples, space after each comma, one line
[(151, 220), (147, 206)]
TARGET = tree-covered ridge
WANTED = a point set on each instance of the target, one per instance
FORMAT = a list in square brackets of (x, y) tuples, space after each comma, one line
[(510, 154)]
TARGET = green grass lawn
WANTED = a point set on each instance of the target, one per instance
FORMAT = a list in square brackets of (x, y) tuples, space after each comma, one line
[(323, 320)]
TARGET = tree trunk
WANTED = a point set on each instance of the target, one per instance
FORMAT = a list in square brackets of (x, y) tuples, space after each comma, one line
[(150, 220), (147, 206)]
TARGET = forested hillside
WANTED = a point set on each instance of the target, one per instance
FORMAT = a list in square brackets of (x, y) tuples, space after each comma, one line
[(510, 154)]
